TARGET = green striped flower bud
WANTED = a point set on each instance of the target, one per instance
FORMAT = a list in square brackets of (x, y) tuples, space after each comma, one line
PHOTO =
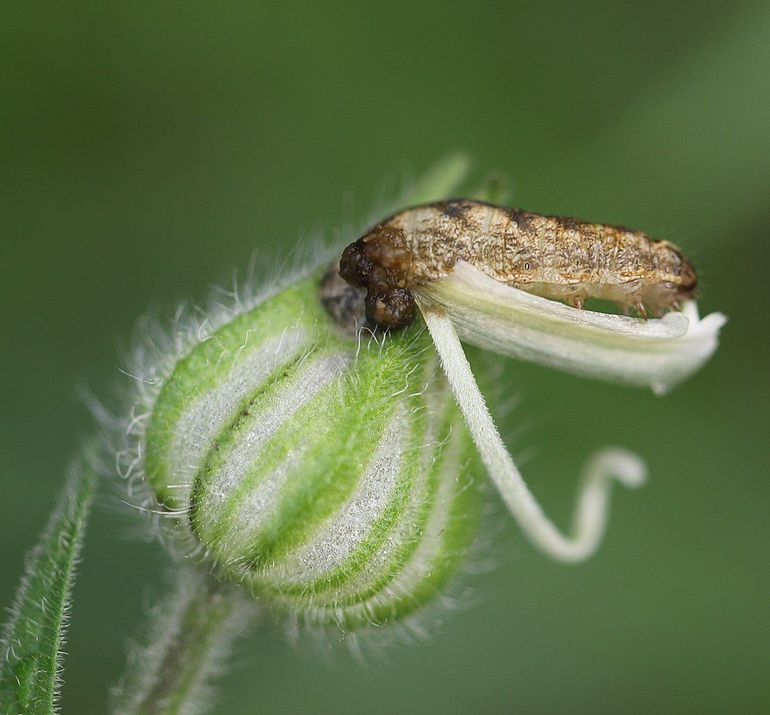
[(325, 470)]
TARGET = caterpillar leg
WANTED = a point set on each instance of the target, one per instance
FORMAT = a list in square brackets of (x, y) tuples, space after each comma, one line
[(576, 301)]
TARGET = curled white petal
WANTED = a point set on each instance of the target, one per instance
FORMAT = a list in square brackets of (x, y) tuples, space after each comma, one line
[(592, 506), (658, 353)]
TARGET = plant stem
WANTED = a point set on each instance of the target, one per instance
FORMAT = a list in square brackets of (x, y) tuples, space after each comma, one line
[(191, 633)]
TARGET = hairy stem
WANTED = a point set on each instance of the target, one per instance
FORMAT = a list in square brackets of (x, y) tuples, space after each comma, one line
[(32, 643), (191, 633)]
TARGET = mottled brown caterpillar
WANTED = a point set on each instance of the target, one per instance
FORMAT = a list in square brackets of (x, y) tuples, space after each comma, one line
[(551, 256)]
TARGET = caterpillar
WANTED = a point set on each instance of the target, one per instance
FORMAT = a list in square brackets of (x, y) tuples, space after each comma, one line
[(555, 257)]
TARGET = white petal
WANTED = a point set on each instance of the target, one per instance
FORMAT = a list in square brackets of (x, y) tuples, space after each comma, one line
[(658, 353), (590, 516)]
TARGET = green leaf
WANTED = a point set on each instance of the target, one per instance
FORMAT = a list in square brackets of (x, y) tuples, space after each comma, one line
[(32, 641)]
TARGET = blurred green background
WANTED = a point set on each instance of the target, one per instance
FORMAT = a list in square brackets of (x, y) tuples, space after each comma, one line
[(147, 149)]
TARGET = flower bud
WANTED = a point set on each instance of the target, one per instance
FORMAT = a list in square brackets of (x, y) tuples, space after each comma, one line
[(324, 470)]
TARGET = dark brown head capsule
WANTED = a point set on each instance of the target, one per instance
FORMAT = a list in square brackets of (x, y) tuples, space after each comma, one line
[(380, 262)]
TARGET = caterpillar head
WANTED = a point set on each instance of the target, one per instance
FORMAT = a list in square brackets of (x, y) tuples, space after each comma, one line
[(381, 262)]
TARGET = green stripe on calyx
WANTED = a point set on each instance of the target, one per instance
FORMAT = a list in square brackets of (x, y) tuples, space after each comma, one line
[(358, 414), (334, 551), (445, 540), (333, 559), (405, 537), (253, 444), (217, 376), (421, 568)]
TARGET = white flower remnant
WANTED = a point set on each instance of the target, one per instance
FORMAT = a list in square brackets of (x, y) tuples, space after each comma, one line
[(656, 353)]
